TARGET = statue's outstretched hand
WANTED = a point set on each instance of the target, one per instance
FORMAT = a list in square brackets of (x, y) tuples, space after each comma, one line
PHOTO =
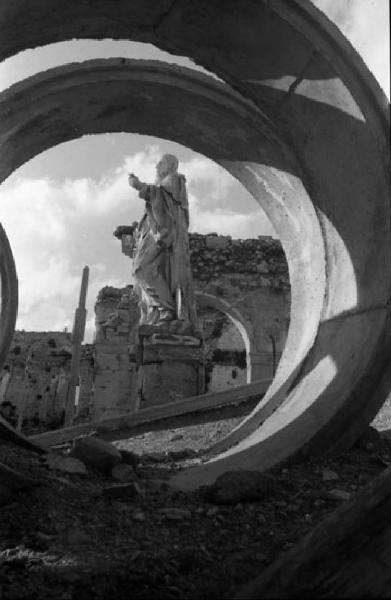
[(134, 181), (158, 240)]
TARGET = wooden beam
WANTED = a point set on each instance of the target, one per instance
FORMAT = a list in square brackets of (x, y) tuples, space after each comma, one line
[(14, 481), (77, 338), (9, 434), (156, 413)]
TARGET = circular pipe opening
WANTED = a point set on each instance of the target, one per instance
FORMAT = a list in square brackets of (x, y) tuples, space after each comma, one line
[(117, 95), (323, 100), (9, 296)]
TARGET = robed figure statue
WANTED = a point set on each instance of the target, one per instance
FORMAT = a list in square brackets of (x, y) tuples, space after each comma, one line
[(161, 259)]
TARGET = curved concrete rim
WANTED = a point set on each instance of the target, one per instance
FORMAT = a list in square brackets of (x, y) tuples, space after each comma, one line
[(9, 296), (99, 96), (294, 65)]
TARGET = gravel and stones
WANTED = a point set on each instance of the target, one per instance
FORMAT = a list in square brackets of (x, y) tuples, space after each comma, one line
[(70, 537)]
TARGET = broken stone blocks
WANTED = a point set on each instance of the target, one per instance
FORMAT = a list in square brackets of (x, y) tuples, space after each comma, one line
[(115, 385), (96, 454), (167, 382)]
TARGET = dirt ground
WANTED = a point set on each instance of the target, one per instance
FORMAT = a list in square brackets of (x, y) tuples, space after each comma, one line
[(66, 539)]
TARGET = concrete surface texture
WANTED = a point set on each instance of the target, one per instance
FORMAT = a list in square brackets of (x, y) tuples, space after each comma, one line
[(305, 131), (39, 365), (8, 297)]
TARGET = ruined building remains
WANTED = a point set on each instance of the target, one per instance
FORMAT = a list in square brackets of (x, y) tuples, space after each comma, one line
[(34, 378), (243, 301)]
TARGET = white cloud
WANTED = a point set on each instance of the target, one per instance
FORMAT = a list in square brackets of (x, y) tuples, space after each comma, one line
[(366, 25), (234, 224), (28, 207), (57, 227)]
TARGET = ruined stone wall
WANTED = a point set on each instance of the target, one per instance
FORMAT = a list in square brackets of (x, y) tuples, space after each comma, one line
[(238, 283), (115, 381), (87, 364), (39, 364), (249, 279), (247, 264)]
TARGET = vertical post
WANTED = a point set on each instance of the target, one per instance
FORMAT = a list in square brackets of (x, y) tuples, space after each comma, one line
[(22, 408), (77, 338)]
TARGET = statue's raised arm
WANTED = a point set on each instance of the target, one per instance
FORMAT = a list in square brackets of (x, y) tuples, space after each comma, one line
[(161, 264)]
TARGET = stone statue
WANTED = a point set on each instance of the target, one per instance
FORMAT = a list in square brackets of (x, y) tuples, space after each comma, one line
[(161, 258)]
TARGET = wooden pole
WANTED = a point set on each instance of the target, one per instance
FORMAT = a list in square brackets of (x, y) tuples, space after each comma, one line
[(79, 325), (26, 394)]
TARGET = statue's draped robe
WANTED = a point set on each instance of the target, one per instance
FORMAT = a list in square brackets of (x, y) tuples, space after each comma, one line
[(161, 265)]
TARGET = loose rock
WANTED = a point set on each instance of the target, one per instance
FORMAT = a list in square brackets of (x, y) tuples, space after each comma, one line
[(175, 514), (139, 516), (212, 511), (123, 473), (78, 538), (234, 487), (156, 457), (66, 464), (337, 494), (122, 490), (328, 475), (182, 454), (96, 454), (130, 458), (370, 440)]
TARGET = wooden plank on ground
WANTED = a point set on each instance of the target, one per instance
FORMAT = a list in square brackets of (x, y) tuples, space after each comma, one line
[(156, 413), (9, 434)]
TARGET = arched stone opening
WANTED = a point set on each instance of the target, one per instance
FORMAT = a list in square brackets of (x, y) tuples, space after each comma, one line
[(100, 96), (323, 100), (9, 296), (244, 327)]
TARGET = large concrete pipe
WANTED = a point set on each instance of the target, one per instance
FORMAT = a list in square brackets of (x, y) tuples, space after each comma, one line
[(306, 132), (8, 297)]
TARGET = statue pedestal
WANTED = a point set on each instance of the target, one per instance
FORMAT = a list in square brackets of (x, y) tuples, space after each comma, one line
[(171, 363)]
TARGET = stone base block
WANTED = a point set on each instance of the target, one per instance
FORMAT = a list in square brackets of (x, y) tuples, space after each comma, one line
[(166, 382), (112, 362), (114, 389), (157, 353), (171, 364)]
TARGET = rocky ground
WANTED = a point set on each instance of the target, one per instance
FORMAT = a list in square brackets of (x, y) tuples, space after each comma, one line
[(125, 533)]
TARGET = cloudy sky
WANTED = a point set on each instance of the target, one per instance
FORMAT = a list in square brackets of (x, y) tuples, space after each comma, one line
[(59, 209)]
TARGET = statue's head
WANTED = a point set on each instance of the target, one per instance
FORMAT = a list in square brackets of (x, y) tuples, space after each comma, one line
[(166, 165)]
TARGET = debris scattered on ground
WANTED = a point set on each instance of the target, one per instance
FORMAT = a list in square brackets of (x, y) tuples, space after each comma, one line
[(123, 473), (336, 494), (66, 464), (89, 537), (329, 475)]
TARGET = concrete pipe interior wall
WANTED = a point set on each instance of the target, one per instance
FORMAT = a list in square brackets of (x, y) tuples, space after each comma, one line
[(8, 297), (305, 132)]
